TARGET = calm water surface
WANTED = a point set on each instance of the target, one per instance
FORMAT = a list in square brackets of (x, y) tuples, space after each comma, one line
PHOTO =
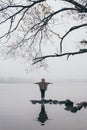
[(18, 113)]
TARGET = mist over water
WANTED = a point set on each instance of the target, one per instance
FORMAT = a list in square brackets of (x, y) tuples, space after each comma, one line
[(18, 113)]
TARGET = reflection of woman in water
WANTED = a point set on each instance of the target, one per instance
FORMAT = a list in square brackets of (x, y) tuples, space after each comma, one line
[(43, 87), (42, 115)]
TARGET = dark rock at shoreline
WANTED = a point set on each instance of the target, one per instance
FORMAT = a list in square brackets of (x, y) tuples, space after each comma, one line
[(79, 107), (50, 101), (68, 103), (74, 109), (61, 102), (55, 102), (83, 104)]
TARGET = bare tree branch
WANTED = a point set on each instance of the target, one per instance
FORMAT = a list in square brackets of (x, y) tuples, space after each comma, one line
[(70, 30), (23, 9), (80, 7), (39, 59), (34, 18), (22, 6)]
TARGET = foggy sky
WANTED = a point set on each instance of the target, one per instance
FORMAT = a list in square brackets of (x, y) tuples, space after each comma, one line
[(58, 68)]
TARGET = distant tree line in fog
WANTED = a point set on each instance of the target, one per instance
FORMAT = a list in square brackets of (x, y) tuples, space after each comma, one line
[(13, 80)]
